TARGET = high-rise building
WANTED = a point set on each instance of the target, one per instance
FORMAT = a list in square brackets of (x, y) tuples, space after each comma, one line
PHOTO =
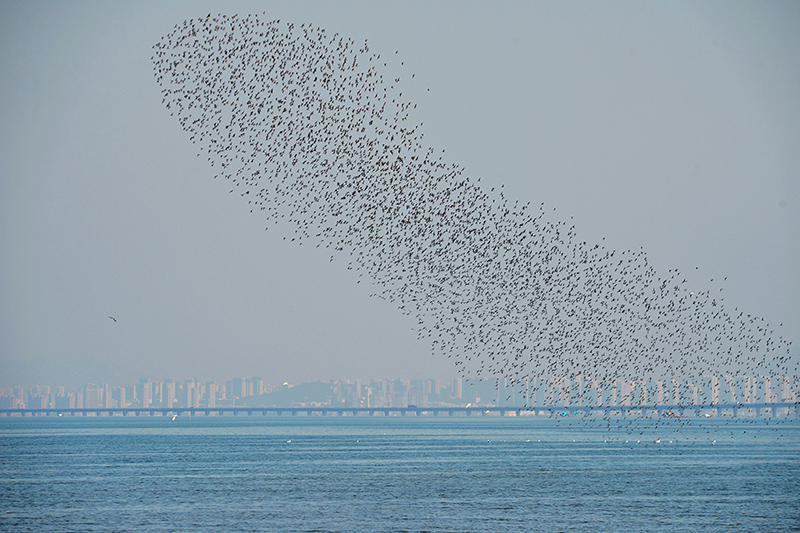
[(37, 402), (788, 395), (258, 386), (169, 393), (458, 388), (132, 394), (92, 396), (118, 395), (66, 401), (108, 401), (10, 402), (211, 393), (145, 392), (237, 388), (189, 391), (769, 397)]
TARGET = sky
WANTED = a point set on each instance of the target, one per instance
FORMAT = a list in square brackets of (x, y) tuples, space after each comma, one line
[(672, 127)]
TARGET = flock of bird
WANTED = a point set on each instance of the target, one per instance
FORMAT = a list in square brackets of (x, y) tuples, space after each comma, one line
[(309, 131)]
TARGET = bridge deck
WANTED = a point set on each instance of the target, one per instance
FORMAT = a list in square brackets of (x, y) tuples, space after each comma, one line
[(774, 409)]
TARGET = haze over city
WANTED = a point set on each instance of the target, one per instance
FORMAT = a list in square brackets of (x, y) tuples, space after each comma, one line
[(672, 128)]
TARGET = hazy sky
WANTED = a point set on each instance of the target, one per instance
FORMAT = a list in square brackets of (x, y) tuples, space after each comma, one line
[(669, 126)]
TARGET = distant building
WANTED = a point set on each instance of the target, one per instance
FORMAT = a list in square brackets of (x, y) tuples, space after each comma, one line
[(458, 388), (258, 387), (211, 394), (92, 397), (10, 402), (66, 401), (145, 393)]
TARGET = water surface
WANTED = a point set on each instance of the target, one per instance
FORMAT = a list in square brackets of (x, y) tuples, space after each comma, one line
[(271, 473)]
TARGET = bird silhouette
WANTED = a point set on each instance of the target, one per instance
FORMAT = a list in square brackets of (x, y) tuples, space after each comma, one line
[(313, 132)]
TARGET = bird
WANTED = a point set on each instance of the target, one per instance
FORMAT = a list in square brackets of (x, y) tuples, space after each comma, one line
[(112, 318), (314, 133)]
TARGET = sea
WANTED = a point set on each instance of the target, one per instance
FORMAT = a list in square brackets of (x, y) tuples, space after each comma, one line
[(398, 473)]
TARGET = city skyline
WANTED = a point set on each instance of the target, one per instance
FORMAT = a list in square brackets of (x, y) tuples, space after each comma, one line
[(402, 393)]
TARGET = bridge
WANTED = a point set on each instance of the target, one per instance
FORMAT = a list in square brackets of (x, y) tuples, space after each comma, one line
[(783, 409)]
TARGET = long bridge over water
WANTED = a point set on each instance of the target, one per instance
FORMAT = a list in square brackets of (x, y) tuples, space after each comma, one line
[(774, 410)]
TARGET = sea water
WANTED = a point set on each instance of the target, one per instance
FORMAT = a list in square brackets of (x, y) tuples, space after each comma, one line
[(375, 473)]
